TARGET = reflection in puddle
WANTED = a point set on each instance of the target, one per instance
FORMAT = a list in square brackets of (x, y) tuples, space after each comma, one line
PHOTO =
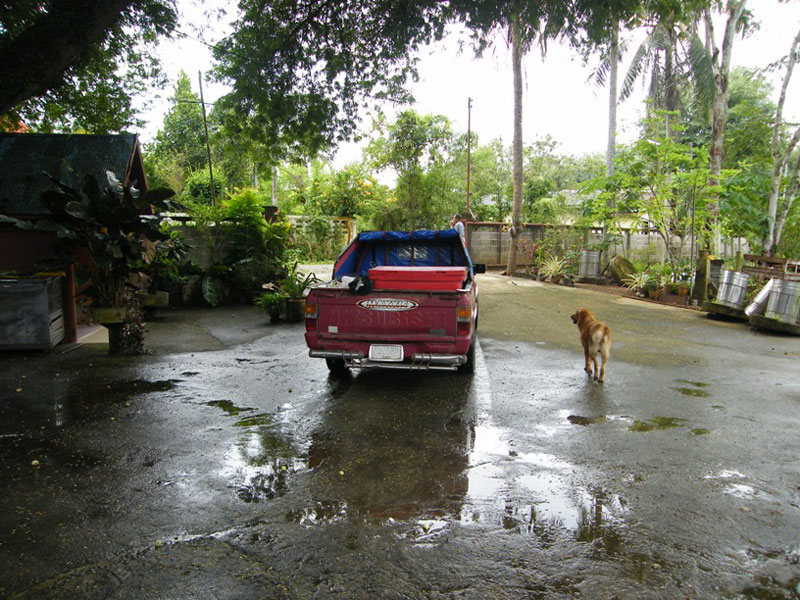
[(578, 420), (418, 466), (732, 483), (695, 393), (54, 403), (741, 490), (262, 460), (322, 513), (657, 423), (228, 406)]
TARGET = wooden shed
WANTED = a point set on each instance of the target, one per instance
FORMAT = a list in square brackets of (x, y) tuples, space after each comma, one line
[(24, 160)]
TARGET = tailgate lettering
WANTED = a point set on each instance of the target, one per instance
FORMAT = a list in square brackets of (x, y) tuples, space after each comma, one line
[(388, 304)]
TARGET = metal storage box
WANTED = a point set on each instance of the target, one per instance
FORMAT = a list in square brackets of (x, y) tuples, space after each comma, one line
[(31, 313)]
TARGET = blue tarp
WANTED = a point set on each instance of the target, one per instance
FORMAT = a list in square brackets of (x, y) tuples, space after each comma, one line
[(422, 248)]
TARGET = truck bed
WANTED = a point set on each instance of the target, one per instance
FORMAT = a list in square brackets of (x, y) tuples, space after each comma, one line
[(403, 301)]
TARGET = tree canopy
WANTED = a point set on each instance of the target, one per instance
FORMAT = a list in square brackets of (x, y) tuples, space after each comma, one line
[(300, 69), (78, 65)]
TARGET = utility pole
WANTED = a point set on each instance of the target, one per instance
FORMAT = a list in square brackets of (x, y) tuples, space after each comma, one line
[(208, 147), (469, 145)]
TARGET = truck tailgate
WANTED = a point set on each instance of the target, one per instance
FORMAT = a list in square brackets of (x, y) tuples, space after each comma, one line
[(387, 316)]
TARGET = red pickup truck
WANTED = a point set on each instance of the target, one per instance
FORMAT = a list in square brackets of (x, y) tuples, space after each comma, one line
[(397, 300)]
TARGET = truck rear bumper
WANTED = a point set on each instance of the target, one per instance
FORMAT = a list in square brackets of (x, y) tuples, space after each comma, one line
[(425, 361)]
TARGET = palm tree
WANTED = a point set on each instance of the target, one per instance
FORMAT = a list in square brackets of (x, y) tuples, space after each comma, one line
[(658, 55), (516, 215)]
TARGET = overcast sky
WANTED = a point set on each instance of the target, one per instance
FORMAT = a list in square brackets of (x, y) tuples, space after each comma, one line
[(558, 98)]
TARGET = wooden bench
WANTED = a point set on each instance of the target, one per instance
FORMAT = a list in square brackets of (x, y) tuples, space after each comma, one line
[(767, 267)]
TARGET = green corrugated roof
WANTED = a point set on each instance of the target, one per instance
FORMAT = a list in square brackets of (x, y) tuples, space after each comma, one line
[(67, 157)]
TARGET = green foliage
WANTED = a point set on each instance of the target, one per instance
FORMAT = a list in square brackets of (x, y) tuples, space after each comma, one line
[(256, 250), (662, 181), (246, 250), (296, 283), (181, 140), (638, 281), (324, 191), (105, 67), (211, 290), (198, 187), (108, 223), (299, 72), (552, 267), (271, 302), (748, 128), (169, 265), (314, 239), (416, 147), (244, 209)]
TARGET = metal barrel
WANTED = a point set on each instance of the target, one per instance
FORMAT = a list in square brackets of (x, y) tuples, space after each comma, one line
[(784, 301), (589, 263), (715, 271), (732, 288), (759, 303)]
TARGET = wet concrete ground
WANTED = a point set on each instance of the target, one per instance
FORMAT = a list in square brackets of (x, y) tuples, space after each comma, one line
[(230, 465)]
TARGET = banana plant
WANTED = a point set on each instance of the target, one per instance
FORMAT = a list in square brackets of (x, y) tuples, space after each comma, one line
[(111, 224)]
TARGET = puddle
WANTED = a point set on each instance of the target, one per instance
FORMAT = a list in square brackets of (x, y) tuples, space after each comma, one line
[(741, 490), (696, 384), (228, 406), (263, 460), (258, 474), (256, 421), (420, 467), (141, 386), (578, 420), (322, 513), (695, 393), (657, 423), (533, 494), (734, 484), (39, 410)]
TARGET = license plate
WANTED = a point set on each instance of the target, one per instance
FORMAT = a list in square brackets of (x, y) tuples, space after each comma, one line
[(386, 353)]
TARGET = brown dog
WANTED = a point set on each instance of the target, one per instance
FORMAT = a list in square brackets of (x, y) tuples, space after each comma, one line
[(595, 338)]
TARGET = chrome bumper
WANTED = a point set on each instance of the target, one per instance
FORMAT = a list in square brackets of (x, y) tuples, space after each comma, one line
[(424, 361)]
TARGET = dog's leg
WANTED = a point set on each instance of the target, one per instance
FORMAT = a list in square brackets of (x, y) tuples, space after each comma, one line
[(594, 363), (586, 358), (604, 357)]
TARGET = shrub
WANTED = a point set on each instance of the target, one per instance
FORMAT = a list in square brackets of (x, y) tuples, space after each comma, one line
[(198, 187)]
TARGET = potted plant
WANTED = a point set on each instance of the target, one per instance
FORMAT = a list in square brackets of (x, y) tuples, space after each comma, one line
[(638, 282), (552, 269), (108, 228), (295, 287), (164, 271), (272, 301)]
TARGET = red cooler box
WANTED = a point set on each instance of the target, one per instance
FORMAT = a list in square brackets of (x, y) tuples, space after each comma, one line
[(418, 278)]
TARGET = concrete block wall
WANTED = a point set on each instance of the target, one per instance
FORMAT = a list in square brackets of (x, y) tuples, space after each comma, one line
[(488, 243)]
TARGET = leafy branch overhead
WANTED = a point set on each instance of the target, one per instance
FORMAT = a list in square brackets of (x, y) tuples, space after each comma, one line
[(301, 70)]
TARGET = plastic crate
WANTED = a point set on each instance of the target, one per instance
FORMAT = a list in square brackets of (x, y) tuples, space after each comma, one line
[(418, 278)]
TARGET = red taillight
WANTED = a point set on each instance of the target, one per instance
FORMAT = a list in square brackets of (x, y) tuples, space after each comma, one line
[(311, 317), (463, 320)]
